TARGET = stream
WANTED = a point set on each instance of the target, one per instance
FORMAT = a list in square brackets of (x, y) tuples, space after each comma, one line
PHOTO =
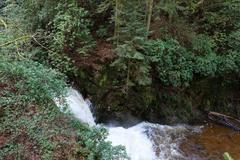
[(148, 141)]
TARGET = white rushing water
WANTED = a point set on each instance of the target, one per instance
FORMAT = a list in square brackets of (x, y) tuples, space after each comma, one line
[(145, 141), (78, 106), (136, 142)]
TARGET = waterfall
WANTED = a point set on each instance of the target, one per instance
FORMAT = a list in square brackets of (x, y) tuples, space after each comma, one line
[(78, 107), (144, 141), (136, 142)]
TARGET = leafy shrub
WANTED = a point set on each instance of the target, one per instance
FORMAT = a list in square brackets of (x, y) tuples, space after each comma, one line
[(33, 122), (94, 140), (206, 65), (134, 64), (227, 156), (174, 64), (229, 64), (31, 82), (60, 29), (70, 35), (44, 132), (71, 28), (202, 44), (102, 32)]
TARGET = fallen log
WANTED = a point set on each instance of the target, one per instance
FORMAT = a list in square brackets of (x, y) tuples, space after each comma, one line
[(225, 120)]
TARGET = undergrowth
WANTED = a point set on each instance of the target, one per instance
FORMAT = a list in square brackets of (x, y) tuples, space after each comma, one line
[(32, 127)]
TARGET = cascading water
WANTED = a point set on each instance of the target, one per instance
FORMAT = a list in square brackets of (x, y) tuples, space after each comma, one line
[(136, 142), (78, 106), (145, 141)]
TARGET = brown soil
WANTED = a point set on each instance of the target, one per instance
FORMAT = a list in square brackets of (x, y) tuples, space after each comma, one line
[(3, 139), (97, 58), (30, 148), (66, 149)]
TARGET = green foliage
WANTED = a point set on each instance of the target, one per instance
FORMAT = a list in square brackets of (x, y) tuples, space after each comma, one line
[(62, 63), (30, 119), (174, 64), (131, 21), (94, 140), (61, 30), (44, 132), (227, 156), (190, 43), (134, 64), (129, 35), (31, 15), (177, 63), (207, 65), (46, 36), (229, 63), (71, 29), (202, 44), (70, 35), (32, 83), (102, 32)]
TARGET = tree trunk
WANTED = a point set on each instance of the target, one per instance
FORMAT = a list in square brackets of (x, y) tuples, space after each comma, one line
[(116, 19), (149, 14)]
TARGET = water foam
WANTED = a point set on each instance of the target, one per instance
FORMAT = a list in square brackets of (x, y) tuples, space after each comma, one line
[(148, 141), (145, 141), (136, 142), (78, 106)]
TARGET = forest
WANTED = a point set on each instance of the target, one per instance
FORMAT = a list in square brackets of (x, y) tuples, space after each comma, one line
[(168, 62)]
